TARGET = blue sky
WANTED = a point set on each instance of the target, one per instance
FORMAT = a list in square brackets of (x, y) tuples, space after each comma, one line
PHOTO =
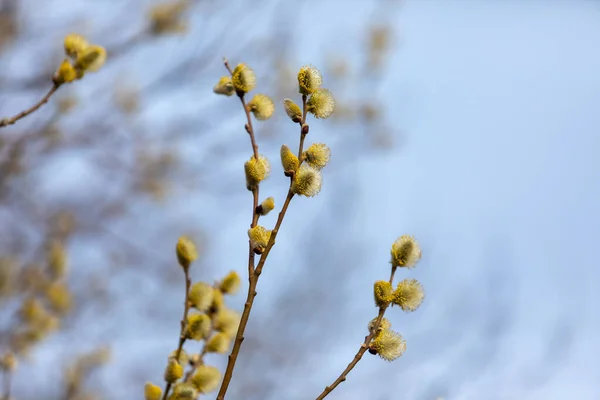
[(497, 177)]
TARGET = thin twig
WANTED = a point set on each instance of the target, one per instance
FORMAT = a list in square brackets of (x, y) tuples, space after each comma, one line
[(249, 127), (226, 63), (250, 300), (254, 273), (302, 132), (23, 114), (361, 351), (252, 277), (186, 309)]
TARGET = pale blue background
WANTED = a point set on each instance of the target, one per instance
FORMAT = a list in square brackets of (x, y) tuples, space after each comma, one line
[(497, 104)]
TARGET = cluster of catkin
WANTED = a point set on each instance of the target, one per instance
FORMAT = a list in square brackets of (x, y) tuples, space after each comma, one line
[(303, 169), (207, 320), (408, 295), (82, 57)]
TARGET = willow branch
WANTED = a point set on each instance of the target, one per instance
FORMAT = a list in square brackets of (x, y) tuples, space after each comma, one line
[(254, 273), (186, 309), (361, 351), (11, 120)]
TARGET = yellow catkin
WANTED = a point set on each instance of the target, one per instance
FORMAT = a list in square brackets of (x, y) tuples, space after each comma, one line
[(308, 181), (256, 171), (218, 343), (321, 103), (166, 17), (91, 58), (173, 372), (184, 391), (198, 326), (74, 44), (309, 79), (292, 110), (266, 206), (259, 238), (409, 295), (224, 86), (289, 161), (383, 293), (183, 356), (230, 283), (201, 296), (388, 344), (261, 106), (243, 78), (227, 321), (59, 297), (384, 324), (152, 392), (317, 155), (186, 252), (405, 252), (206, 378), (65, 73), (218, 300)]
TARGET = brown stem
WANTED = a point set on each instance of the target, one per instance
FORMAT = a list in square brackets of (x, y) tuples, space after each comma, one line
[(304, 109), (252, 277), (363, 348), (302, 134), (239, 338), (265, 254), (253, 273), (23, 114), (392, 274), (250, 128), (186, 309), (300, 148), (255, 215), (226, 63), (361, 351)]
